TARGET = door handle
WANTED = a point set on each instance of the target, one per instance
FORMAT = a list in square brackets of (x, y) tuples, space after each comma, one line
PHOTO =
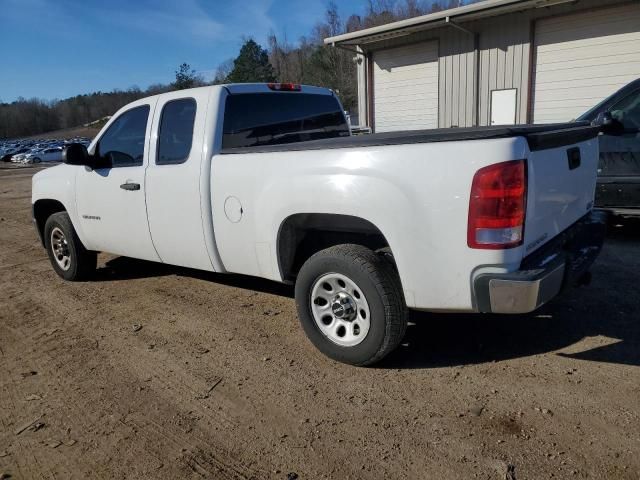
[(130, 186), (573, 155)]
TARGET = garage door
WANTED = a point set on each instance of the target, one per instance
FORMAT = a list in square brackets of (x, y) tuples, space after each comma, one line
[(583, 58), (405, 87)]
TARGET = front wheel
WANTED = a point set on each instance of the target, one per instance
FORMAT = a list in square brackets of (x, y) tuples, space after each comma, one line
[(350, 304), (69, 258)]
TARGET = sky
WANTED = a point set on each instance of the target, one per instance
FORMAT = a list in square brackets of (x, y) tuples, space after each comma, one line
[(54, 49)]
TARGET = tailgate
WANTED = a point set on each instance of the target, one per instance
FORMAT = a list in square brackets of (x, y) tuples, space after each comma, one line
[(562, 169)]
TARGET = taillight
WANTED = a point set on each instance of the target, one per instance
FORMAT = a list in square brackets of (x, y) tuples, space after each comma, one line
[(497, 206), (285, 87)]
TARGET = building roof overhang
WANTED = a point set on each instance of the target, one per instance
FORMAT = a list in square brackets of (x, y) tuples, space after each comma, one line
[(474, 11)]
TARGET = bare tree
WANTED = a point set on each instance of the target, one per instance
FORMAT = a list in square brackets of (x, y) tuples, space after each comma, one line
[(222, 72)]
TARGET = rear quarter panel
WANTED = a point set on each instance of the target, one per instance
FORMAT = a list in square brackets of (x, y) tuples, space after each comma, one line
[(417, 195)]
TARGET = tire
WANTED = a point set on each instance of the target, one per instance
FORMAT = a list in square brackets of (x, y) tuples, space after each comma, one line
[(388, 256), (69, 258), (36, 160), (371, 288)]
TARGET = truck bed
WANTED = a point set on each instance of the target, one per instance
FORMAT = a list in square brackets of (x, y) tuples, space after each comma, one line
[(539, 137)]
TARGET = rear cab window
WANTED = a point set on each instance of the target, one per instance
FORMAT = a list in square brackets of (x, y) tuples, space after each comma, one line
[(176, 131), (256, 119)]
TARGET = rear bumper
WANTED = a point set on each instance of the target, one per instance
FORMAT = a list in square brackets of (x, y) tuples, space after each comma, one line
[(561, 263)]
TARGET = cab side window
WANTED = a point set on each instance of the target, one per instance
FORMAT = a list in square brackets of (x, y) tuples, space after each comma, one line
[(627, 111), (176, 131), (122, 145)]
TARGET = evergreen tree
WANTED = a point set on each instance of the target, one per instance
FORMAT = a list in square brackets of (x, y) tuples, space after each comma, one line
[(185, 77), (251, 65)]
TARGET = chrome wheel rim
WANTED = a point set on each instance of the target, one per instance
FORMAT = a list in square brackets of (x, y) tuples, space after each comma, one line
[(60, 249), (340, 309)]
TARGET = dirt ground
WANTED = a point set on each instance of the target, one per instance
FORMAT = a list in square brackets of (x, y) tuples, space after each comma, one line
[(220, 382)]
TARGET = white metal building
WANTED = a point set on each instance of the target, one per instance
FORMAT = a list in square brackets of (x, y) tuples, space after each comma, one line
[(495, 62)]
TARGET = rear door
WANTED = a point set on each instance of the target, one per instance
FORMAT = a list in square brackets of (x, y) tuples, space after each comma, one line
[(173, 179)]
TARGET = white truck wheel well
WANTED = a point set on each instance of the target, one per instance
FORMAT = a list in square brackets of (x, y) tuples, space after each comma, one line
[(303, 234), (42, 210)]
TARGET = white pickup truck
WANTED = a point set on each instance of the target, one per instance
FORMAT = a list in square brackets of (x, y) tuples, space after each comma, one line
[(266, 180)]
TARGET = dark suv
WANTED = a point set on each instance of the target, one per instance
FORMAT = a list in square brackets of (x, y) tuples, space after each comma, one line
[(618, 187)]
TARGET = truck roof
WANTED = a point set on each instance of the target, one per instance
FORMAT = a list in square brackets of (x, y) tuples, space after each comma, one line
[(238, 88)]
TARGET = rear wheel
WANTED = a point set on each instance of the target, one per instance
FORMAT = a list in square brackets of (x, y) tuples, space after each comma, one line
[(36, 160), (69, 258), (350, 304)]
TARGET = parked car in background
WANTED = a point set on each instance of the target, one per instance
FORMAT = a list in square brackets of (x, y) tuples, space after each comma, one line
[(9, 156), (41, 150), (53, 154), (28, 157), (618, 188), (19, 158)]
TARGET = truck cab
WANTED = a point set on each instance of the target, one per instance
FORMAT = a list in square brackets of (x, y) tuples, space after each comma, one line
[(151, 163)]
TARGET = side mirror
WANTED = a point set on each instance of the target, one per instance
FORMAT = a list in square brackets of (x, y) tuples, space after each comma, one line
[(608, 125), (77, 154)]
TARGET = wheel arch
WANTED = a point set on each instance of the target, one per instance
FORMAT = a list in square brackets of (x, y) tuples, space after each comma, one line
[(301, 235), (42, 209)]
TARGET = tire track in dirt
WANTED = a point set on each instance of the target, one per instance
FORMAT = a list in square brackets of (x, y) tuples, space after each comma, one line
[(27, 313), (179, 388)]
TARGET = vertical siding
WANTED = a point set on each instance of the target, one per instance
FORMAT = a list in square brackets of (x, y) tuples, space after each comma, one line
[(523, 98), (456, 78), (504, 62), (361, 70)]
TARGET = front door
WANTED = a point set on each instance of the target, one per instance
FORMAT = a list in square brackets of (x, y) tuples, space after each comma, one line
[(111, 198)]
